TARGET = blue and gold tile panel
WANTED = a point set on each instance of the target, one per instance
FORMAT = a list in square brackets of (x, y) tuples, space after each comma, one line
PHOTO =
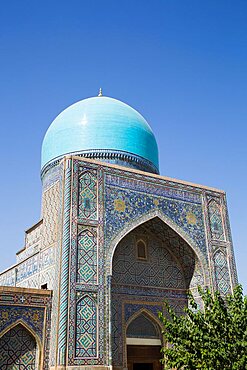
[(123, 206)]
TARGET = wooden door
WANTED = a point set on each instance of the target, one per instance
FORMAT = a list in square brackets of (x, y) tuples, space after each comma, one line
[(144, 357)]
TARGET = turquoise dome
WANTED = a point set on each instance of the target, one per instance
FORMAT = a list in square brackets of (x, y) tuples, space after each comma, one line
[(105, 126)]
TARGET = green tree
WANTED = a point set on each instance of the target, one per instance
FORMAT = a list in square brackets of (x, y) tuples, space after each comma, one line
[(212, 338)]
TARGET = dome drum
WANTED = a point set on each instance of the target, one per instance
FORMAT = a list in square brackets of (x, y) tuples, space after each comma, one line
[(110, 156)]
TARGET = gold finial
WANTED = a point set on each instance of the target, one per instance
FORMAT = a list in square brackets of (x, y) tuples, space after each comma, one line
[(100, 92)]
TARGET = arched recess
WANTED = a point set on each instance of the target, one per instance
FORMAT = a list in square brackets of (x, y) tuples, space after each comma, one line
[(143, 340), (20, 348), (147, 217), (153, 320), (172, 265)]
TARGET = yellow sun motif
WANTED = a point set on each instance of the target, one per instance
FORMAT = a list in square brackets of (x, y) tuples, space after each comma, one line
[(191, 218), (5, 315), (35, 316), (156, 202), (119, 205)]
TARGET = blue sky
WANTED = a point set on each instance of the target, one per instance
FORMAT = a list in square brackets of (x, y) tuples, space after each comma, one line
[(182, 64)]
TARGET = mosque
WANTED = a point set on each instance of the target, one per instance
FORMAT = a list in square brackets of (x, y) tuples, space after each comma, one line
[(113, 241)]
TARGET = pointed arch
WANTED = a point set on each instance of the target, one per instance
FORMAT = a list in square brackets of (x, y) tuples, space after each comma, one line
[(146, 313), (87, 194), (86, 327), (147, 217), (31, 332), (152, 318), (27, 327)]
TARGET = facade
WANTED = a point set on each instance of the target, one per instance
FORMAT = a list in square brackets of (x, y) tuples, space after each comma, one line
[(114, 239)]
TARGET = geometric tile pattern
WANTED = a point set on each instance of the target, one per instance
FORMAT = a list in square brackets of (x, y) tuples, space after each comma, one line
[(142, 327), (87, 256), (86, 283), (168, 238), (123, 206), (215, 218), (33, 316), (32, 242), (34, 311), (161, 269), (17, 350), (65, 267), (87, 205), (8, 278), (86, 328), (221, 272), (27, 268), (106, 203), (167, 273), (50, 204)]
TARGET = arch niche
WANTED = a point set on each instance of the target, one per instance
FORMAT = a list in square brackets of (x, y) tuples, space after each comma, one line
[(20, 348), (168, 265)]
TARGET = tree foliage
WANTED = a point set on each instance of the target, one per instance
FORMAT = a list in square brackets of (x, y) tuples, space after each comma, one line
[(212, 338)]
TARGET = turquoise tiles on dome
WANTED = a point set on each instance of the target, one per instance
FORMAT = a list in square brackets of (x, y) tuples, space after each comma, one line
[(99, 123)]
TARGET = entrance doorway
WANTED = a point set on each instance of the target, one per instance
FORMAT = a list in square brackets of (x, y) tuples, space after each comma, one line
[(143, 343), (144, 357)]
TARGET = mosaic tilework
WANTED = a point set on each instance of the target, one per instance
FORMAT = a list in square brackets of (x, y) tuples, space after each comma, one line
[(33, 235), (30, 272), (107, 203), (142, 327), (48, 277), (28, 268), (168, 238), (215, 217), (31, 309), (31, 282), (32, 242), (28, 252), (79, 289), (8, 278), (122, 207), (17, 350), (63, 304), (161, 269), (46, 258), (221, 272), (126, 306), (87, 207), (142, 285), (87, 256), (232, 264), (161, 188), (50, 204), (53, 175), (86, 328), (34, 317), (103, 287), (132, 308), (54, 273)]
